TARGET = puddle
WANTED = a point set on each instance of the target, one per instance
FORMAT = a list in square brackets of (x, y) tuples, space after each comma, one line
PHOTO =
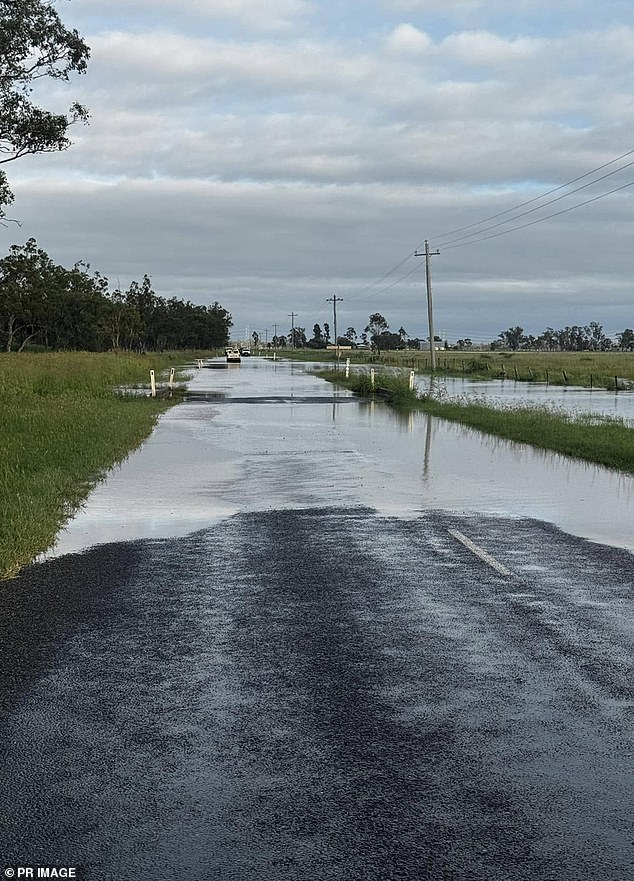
[(268, 435)]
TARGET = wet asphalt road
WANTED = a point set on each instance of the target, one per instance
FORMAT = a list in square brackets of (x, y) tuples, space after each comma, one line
[(322, 693)]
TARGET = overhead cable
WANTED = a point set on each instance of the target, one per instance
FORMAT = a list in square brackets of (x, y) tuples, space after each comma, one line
[(574, 180), (540, 219)]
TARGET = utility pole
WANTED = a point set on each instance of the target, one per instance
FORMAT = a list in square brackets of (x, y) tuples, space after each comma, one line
[(292, 316), (430, 309), (334, 300)]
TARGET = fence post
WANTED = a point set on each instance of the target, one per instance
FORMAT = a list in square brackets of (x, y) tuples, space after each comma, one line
[(152, 384)]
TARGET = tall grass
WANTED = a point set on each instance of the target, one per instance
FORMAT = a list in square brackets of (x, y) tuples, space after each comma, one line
[(605, 440), (62, 426)]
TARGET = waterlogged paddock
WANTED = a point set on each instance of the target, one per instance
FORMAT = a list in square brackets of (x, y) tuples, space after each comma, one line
[(571, 399), (265, 435)]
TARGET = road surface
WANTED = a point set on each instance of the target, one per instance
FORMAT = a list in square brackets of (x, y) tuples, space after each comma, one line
[(322, 693)]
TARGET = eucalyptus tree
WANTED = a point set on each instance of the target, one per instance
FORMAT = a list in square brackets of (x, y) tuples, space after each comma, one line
[(377, 325), (34, 45), (29, 279), (625, 340), (513, 337)]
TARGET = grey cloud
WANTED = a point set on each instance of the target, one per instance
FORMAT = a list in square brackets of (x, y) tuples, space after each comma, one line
[(266, 249), (268, 174)]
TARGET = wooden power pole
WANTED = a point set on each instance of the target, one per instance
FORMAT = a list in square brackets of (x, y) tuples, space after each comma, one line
[(334, 300), (292, 316), (430, 309)]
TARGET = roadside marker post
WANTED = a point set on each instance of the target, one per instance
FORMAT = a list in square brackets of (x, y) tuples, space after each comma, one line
[(171, 379), (412, 374), (372, 376), (347, 367), (152, 384)]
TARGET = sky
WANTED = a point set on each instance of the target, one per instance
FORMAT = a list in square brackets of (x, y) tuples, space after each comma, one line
[(271, 153)]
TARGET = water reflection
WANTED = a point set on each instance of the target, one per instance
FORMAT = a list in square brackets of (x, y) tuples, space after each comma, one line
[(464, 469), (428, 440), (261, 450)]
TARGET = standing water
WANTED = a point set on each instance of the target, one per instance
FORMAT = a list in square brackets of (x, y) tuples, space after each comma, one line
[(265, 435), (571, 399)]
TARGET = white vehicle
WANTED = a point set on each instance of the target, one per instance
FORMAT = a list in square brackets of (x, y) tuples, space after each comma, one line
[(233, 355)]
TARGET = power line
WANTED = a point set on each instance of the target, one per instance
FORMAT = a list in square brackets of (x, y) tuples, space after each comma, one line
[(398, 280), (541, 219), (383, 277), (538, 207), (355, 294), (535, 198)]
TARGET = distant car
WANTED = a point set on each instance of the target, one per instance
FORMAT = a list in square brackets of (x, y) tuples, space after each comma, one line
[(246, 353)]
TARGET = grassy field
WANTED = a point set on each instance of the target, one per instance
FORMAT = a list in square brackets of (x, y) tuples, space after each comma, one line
[(587, 369), (61, 428), (600, 439)]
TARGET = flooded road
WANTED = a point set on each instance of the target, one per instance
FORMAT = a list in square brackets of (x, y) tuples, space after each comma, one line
[(264, 436), (294, 638)]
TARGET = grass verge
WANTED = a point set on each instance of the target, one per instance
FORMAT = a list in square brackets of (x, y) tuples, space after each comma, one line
[(62, 426), (604, 440)]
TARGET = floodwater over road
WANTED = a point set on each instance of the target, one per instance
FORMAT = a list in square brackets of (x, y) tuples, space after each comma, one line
[(269, 435), (298, 638)]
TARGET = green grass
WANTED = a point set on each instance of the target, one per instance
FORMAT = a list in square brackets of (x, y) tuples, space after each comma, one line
[(586, 369), (61, 428), (604, 440)]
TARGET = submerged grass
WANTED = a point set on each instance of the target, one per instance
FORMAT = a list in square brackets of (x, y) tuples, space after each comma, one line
[(605, 440), (62, 426), (609, 370)]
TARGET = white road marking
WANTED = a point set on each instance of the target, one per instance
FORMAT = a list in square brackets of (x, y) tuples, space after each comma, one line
[(479, 552)]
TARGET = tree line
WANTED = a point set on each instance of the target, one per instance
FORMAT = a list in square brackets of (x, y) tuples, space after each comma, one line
[(572, 338), (43, 304), (376, 334)]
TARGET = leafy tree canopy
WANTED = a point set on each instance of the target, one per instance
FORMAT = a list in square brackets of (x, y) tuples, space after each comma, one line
[(34, 44), (376, 326)]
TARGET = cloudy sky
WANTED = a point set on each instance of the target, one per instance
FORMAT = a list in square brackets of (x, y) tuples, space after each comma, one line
[(270, 153)]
